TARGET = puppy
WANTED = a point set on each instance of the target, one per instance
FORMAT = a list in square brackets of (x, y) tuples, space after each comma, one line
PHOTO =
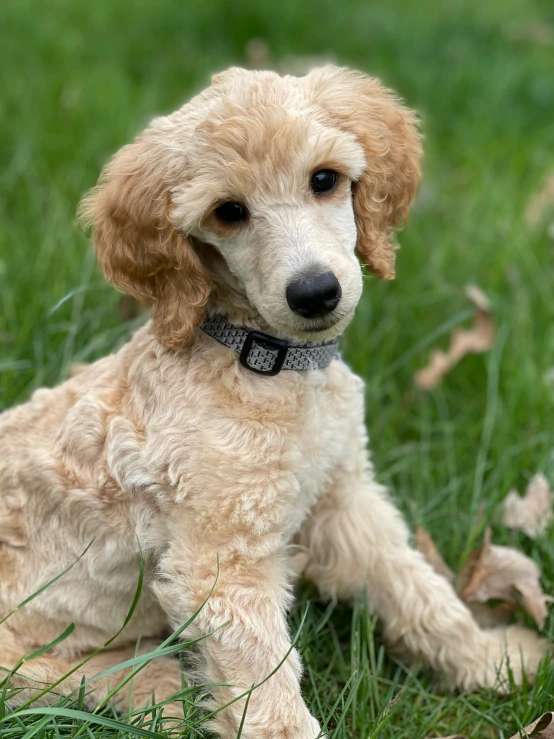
[(228, 428)]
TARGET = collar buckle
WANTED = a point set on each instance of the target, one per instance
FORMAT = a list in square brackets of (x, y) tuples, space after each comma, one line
[(265, 349)]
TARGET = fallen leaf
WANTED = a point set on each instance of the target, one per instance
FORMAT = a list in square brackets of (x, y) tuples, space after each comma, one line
[(476, 340), (542, 728), (426, 545), (488, 617), (502, 573), (531, 513), (478, 298), (541, 203)]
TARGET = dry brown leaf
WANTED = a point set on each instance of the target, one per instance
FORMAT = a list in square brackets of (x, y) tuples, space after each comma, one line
[(542, 728), (541, 203), (531, 513), (476, 340), (486, 616), (426, 545), (502, 573)]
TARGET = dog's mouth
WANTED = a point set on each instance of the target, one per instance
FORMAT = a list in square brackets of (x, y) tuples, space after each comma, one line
[(318, 329)]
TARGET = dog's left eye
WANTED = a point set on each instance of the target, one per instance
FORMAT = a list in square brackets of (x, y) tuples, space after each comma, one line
[(231, 212), (324, 181)]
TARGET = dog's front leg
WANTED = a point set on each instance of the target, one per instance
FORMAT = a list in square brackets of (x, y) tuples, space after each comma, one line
[(357, 540), (245, 617)]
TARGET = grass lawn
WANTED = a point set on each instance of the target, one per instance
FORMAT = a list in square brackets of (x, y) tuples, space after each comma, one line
[(79, 79)]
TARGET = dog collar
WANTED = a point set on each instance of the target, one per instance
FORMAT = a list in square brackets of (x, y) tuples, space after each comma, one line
[(265, 354)]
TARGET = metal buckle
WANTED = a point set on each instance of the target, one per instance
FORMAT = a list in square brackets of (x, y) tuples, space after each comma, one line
[(266, 342)]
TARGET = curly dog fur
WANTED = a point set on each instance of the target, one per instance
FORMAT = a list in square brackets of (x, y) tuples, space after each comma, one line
[(170, 442)]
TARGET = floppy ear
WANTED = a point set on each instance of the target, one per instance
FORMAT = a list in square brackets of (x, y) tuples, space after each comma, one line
[(388, 133), (139, 250)]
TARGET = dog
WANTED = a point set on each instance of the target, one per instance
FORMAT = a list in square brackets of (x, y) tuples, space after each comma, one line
[(228, 434)]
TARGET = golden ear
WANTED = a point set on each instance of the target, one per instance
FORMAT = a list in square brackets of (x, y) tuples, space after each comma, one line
[(138, 248), (388, 132)]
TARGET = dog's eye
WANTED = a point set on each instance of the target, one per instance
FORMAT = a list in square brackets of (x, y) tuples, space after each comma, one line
[(231, 212), (324, 181)]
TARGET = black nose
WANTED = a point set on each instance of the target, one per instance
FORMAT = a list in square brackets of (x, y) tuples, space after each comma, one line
[(315, 296)]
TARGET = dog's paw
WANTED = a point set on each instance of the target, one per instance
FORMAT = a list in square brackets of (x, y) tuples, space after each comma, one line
[(292, 725), (302, 727), (507, 656), (312, 729)]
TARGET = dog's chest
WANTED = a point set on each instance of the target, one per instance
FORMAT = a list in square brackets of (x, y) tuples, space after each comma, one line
[(234, 451), (329, 417)]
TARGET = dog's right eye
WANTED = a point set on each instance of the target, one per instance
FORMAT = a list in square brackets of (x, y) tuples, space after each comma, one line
[(231, 212), (324, 181)]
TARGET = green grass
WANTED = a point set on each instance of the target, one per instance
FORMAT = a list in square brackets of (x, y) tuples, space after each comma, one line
[(79, 79)]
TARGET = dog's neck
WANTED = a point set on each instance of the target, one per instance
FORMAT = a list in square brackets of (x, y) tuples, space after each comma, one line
[(228, 296)]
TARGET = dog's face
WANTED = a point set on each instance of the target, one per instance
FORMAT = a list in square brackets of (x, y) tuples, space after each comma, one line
[(284, 177), (278, 207)]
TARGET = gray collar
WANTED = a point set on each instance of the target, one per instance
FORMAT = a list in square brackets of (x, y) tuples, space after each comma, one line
[(265, 354)]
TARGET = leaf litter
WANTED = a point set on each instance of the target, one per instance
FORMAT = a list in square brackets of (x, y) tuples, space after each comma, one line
[(503, 573), (531, 513), (542, 728), (493, 573), (475, 340), (496, 573), (426, 545)]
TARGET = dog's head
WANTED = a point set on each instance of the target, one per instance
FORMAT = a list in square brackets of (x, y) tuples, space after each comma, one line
[(284, 177)]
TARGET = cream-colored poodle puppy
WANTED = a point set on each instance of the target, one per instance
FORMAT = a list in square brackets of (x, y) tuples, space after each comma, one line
[(228, 428)]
